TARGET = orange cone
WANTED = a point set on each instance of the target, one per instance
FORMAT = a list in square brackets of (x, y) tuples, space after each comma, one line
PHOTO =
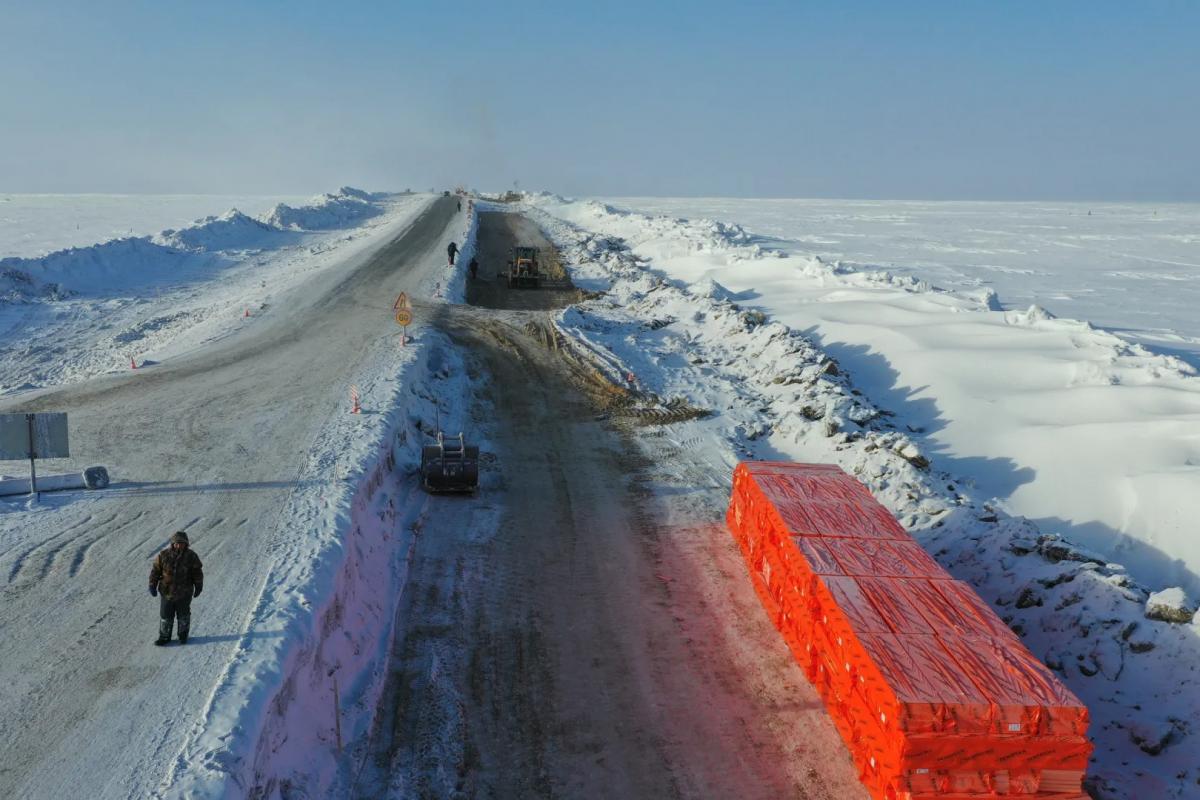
[(132, 363), (355, 408), (246, 314)]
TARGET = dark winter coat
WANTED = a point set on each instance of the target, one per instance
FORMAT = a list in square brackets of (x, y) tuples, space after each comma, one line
[(178, 574)]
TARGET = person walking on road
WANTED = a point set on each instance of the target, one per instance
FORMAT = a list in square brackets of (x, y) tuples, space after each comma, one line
[(460, 206), (474, 267), (452, 251), (176, 577)]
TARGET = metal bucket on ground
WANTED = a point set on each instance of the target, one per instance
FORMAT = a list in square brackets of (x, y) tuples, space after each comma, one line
[(450, 465)]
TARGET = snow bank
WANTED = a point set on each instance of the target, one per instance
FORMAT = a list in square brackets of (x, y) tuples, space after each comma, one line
[(177, 255), (776, 394), (452, 286), (113, 266), (233, 230), (271, 720), (347, 206), (17, 285)]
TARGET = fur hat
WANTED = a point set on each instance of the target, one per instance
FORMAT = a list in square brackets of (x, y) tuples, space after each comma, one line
[(179, 537)]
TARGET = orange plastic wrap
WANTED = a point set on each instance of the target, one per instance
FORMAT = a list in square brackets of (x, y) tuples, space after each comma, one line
[(892, 559), (953, 607), (1026, 695), (932, 693)]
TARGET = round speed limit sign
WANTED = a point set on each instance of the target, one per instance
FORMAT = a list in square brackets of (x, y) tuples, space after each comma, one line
[(403, 317)]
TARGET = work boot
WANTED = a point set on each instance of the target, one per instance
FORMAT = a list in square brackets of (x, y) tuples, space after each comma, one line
[(164, 632), (184, 624)]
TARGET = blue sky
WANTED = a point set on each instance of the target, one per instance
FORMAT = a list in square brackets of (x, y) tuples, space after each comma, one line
[(922, 100)]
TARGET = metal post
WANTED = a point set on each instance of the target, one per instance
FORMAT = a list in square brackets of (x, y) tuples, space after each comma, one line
[(32, 456)]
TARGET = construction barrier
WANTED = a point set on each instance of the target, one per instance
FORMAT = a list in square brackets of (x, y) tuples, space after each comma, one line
[(933, 694)]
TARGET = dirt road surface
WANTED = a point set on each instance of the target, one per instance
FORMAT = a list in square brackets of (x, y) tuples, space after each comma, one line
[(584, 626), (209, 443)]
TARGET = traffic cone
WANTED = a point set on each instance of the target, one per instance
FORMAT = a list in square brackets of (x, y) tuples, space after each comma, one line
[(246, 314), (132, 363), (355, 408)]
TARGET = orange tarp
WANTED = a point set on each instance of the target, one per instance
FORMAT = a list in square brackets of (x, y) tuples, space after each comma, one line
[(933, 694)]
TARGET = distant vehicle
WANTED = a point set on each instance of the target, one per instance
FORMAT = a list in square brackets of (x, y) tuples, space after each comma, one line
[(523, 270), (445, 193)]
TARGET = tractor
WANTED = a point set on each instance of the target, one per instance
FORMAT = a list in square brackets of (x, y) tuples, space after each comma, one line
[(523, 272)]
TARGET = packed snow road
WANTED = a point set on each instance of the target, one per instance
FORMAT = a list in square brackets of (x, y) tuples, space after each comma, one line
[(564, 634), (212, 443)]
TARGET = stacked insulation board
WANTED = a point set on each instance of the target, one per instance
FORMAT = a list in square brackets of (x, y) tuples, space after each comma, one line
[(933, 694)]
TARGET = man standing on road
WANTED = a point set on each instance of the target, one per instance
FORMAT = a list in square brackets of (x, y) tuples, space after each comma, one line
[(452, 251), (176, 577), (460, 206), (474, 267)]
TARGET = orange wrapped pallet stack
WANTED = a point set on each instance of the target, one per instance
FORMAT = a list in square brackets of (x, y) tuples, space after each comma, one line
[(934, 696)]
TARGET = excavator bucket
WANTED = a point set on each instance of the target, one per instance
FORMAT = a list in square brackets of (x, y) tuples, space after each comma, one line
[(450, 465)]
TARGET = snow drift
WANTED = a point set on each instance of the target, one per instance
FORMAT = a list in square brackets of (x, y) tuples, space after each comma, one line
[(325, 211), (232, 230), (177, 255)]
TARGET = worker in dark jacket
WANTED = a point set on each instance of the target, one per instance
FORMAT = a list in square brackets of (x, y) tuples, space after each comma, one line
[(452, 251), (176, 577), (474, 267)]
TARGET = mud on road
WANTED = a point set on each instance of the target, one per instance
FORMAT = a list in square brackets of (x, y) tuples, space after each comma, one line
[(566, 632)]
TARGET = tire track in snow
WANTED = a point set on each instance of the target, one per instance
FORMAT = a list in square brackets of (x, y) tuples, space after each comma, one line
[(18, 568), (81, 553), (50, 559), (20, 559)]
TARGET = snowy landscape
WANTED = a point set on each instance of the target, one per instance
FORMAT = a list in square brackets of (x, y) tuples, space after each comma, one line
[(1051, 406), (786, 400), (37, 225), (1017, 383)]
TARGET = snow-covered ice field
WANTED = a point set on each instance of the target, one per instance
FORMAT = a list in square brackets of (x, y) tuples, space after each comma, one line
[(37, 224), (1129, 268)]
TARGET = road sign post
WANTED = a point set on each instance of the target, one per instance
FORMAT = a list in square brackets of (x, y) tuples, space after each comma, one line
[(33, 436), (403, 319), (32, 458)]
